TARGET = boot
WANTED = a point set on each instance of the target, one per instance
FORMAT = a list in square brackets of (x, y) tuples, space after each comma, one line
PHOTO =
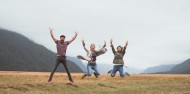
[(109, 71), (71, 80), (127, 74), (95, 75), (83, 76)]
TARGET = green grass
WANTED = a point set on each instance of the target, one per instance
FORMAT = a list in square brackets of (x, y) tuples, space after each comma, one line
[(136, 84)]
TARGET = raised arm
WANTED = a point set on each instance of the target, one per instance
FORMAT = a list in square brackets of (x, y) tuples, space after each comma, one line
[(83, 44), (103, 45), (111, 44), (74, 37), (126, 43), (51, 33), (102, 50)]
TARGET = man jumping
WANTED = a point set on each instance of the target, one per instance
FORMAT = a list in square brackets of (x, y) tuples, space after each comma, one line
[(61, 54)]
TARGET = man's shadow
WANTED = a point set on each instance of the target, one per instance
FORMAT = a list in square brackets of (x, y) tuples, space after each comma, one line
[(72, 84)]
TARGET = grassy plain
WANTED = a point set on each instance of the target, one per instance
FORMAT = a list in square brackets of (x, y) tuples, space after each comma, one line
[(36, 83)]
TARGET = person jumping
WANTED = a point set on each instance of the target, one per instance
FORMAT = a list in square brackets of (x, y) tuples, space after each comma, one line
[(118, 60), (91, 58), (61, 54)]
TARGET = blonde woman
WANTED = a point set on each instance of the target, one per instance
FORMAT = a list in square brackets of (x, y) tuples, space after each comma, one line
[(91, 58)]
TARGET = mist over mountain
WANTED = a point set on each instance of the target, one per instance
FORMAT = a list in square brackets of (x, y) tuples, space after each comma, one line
[(182, 68), (18, 53), (160, 68)]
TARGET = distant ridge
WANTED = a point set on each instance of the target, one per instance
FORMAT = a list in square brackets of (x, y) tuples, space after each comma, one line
[(182, 68), (18, 53), (160, 68)]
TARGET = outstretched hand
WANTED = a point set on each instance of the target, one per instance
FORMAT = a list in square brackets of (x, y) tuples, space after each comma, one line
[(74, 37), (111, 41), (51, 32), (104, 44), (76, 33), (83, 43), (126, 43), (51, 29)]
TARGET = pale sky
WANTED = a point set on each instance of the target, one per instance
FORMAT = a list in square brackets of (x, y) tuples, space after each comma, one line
[(158, 31)]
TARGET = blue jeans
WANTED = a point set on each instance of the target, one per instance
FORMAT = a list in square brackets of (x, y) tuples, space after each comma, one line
[(118, 68), (91, 67)]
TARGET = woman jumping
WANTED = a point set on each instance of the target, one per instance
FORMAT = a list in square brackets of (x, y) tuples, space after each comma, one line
[(118, 60), (91, 58)]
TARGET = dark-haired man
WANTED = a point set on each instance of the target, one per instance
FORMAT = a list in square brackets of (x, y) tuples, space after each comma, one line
[(61, 54)]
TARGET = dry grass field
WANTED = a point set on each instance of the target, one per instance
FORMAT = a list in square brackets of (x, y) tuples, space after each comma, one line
[(36, 83)]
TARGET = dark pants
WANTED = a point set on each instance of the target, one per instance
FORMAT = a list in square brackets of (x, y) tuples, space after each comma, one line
[(64, 62)]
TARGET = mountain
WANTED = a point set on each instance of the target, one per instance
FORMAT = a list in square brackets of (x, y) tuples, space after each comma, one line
[(18, 53), (182, 68), (160, 68)]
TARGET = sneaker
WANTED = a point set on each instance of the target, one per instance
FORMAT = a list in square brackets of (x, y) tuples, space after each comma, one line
[(83, 76), (49, 81), (71, 80), (109, 71), (95, 75), (127, 74)]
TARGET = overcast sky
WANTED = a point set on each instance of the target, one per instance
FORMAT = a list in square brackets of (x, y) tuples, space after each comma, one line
[(158, 31)]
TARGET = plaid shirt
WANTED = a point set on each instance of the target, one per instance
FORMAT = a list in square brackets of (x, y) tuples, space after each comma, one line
[(61, 47)]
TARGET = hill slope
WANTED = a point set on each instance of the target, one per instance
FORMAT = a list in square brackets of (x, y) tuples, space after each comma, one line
[(182, 68), (18, 53), (160, 68)]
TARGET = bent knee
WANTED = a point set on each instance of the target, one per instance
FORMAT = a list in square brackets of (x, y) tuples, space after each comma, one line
[(112, 75), (122, 76)]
